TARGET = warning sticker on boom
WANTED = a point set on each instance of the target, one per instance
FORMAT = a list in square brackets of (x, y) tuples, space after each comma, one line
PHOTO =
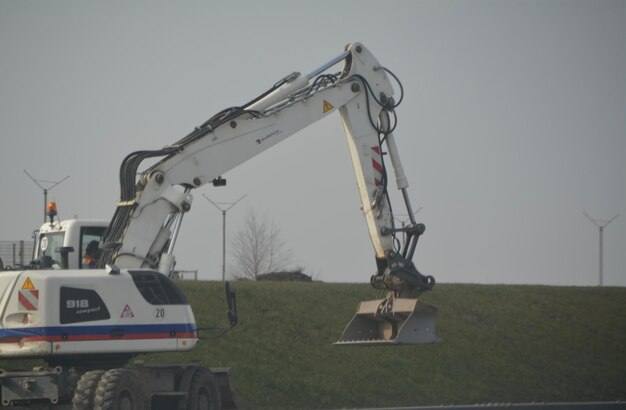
[(327, 106)]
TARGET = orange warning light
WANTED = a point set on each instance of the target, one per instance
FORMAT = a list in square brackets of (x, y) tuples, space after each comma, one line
[(52, 209)]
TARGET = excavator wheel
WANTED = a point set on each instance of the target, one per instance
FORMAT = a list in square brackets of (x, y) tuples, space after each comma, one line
[(121, 389), (204, 393), (85, 391)]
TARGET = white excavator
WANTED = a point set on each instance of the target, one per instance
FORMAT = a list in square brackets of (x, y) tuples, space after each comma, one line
[(87, 318)]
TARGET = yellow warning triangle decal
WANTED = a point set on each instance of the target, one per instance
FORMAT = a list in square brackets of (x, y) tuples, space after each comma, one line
[(327, 106), (28, 284)]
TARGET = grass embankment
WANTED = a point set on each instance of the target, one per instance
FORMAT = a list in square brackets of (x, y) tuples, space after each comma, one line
[(499, 344)]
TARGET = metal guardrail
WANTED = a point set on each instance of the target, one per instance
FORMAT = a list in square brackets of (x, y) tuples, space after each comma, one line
[(17, 252), (185, 274)]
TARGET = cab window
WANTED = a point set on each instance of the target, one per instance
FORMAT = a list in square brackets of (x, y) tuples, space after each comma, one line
[(48, 244), (90, 238), (157, 289)]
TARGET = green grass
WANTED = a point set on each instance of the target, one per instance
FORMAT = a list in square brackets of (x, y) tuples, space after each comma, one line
[(500, 343)]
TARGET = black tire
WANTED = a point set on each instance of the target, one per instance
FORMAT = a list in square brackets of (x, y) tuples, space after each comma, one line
[(85, 391), (204, 393), (121, 389)]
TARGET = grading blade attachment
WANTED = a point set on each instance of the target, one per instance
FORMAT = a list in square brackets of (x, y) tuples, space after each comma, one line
[(391, 321)]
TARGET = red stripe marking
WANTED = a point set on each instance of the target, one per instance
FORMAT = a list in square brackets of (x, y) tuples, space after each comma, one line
[(376, 150), (25, 303), (377, 166)]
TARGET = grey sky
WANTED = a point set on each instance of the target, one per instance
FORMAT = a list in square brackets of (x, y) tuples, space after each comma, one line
[(513, 124)]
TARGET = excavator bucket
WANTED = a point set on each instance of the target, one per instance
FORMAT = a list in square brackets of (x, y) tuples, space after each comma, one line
[(391, 321)]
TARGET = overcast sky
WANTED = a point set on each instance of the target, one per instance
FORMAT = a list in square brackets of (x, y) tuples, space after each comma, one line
[(513, 124)]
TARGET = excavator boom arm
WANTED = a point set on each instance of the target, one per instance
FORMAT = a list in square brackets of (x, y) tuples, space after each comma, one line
[(143, 230)]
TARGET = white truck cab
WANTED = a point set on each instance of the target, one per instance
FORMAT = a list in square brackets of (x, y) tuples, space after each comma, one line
[(75, 236)]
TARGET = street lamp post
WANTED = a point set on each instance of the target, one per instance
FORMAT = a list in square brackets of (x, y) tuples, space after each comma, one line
[(601, 224), (223, 210), (45, 189)]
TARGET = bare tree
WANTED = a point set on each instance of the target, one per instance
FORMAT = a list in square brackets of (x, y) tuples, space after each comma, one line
[(258, 247)]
